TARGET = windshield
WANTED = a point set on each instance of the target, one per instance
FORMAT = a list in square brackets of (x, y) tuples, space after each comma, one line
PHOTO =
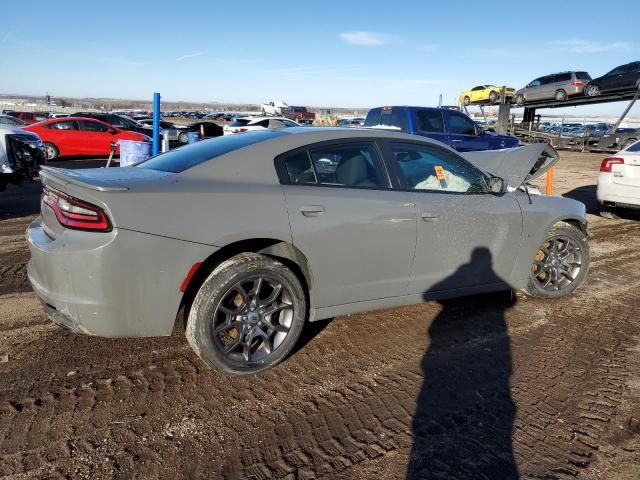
[(189, 156)]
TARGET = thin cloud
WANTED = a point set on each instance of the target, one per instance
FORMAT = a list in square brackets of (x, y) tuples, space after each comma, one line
[(364, 39), (189, 55), (587, 46)]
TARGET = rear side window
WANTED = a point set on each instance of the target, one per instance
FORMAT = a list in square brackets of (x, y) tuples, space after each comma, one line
[(355, 165), (63, 126), (240, 122), (429, 121), (562, 77), (189, 156), (583, 76), (89, 126)]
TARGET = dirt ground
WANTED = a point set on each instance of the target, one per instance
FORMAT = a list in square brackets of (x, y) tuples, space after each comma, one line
[(487, 387)]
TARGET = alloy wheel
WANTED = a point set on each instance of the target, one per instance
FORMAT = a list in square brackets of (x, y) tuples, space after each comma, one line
[(557, 263), (252, 320)]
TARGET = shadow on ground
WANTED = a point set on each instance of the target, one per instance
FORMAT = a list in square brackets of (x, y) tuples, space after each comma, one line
[(462, 428)]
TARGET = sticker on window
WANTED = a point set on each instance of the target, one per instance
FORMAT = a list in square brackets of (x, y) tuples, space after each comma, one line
[(439, 173)]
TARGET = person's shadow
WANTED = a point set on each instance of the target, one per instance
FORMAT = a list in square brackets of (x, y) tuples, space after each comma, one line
[(462, 428)]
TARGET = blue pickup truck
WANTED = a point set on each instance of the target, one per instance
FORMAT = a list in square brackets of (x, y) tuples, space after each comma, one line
[(445, 125)]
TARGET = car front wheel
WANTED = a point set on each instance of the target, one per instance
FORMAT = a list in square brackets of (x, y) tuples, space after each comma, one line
[(520, 99), (247, 315), (561, 263)]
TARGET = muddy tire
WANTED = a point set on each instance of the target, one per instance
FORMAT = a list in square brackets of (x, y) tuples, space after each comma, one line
[(466, 101), (561, 96), (520, 99), (247, 315), (561, 264), (183, 137), (493, 97)]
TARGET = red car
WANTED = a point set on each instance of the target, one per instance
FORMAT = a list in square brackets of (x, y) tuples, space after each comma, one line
[(80, 136), (30, 117)]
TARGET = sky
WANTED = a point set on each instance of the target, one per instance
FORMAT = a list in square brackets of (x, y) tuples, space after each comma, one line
[(326, 53)]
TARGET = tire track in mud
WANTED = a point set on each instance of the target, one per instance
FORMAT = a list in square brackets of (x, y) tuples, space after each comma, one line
[(342, 425), (13, 278)]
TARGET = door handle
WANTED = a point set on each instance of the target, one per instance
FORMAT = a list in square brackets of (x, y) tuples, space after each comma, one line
[(430, 217), (456, 141), (312, 210)]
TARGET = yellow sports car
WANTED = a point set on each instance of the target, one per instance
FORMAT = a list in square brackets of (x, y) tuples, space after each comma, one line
[(485, 94)]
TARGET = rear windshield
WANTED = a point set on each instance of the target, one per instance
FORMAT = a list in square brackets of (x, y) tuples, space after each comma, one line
[(396, 118), (241, 122), (634, 147), (583, 76), (189, 156)]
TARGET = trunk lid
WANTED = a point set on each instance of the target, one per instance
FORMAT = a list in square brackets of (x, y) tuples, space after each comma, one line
[(516, 165), (627, 174)]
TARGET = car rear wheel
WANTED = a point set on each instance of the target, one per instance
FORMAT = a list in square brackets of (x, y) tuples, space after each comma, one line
[(247, 315), (592, 90), (561, 263), (466, 101), (183, 137), (493, 97), (520, 99), (561, 95), (51, 152)]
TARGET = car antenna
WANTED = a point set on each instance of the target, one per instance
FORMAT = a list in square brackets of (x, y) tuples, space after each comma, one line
[(526, 190)]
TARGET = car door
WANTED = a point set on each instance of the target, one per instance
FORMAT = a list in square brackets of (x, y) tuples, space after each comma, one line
[(466, 237), (429, 122), (357, 233), (63, 135), (628, 77), (94, 137), (534, 89), (463, 134)]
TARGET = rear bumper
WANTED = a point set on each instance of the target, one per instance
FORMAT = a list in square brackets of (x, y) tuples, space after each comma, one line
[(617, 195), (115, 284)]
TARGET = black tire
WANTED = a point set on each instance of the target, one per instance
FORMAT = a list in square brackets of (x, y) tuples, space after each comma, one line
[(538, 276), (592, 90), (627, 143), (493, 97), (466, 101), (561, 96), (239, 330), (520, 99), (609, 213), (183, 137), (51, 152)]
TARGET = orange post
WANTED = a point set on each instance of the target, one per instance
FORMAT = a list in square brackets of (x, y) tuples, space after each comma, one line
[(549, 189)]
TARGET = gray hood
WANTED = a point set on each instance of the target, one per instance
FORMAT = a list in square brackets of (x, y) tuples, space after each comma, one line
[(516, 165)]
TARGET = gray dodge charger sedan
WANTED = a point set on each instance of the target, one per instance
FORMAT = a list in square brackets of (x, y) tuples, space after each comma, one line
[(254, 234)]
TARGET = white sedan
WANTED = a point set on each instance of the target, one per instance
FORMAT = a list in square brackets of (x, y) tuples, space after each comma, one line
[(247, 124), (619, 181)]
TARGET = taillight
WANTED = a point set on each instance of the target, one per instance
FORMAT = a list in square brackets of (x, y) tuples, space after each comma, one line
[(577, 84), (76, 214), (607, 163)]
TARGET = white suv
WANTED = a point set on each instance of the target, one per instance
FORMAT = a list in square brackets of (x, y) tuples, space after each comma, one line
[(247, 124), (619, 181)]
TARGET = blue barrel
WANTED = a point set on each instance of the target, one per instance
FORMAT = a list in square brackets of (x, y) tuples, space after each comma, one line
[(193, 137), (132, 152)]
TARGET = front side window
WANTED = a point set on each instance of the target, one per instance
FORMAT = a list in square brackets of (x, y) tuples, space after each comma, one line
[(356, 165), (433, 169), (461, 125), (429, 121), (535, 83)]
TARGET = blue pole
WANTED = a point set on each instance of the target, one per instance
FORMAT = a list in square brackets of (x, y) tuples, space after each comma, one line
[(156, 123)]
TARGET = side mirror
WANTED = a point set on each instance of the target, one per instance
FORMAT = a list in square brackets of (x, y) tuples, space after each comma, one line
[(496, 185), (113, 131)]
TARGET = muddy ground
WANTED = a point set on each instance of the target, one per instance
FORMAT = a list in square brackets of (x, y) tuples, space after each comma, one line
[(487, 387)]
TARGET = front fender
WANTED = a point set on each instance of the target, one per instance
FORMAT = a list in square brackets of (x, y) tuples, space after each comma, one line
[(538, 218)]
